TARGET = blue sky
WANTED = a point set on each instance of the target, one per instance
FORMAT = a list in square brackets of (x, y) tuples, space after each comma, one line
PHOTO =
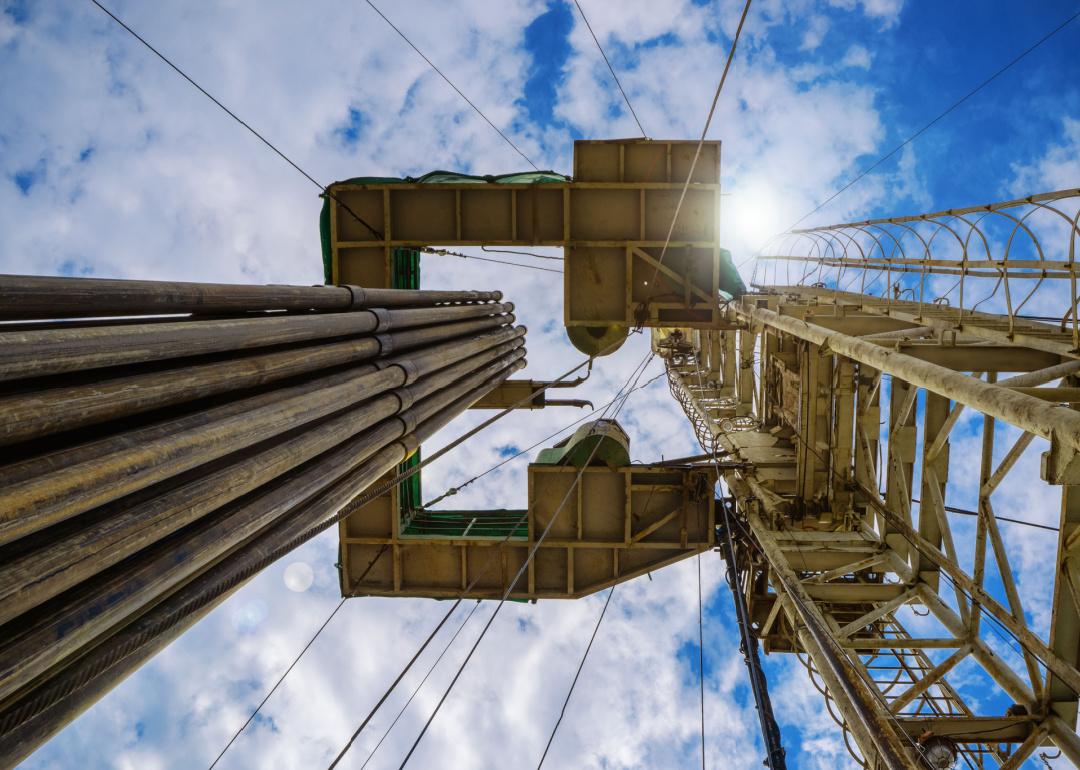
[(111, 165)]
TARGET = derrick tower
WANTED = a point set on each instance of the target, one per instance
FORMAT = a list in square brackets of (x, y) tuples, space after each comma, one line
[(163, 461), (825, 399)]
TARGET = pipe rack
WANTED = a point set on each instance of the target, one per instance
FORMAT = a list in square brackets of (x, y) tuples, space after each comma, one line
[(164, 442)]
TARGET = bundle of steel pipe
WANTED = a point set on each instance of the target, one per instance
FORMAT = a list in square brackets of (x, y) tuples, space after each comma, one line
[(156, 462)]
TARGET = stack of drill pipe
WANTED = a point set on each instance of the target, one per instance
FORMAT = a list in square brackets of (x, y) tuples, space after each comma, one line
[(164, 442)]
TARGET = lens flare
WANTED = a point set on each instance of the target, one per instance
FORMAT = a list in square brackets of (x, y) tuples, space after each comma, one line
[(751, 216)]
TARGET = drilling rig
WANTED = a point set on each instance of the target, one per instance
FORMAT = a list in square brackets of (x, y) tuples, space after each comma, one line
[(169, 441)]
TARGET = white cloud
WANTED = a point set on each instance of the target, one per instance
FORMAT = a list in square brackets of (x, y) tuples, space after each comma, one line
[(1057, 169), (857, 56), (887, 11), (814, 33)]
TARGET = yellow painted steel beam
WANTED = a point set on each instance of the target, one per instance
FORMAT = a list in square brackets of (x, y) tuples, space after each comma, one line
[(619, 524), (612, 221), (525, 394)]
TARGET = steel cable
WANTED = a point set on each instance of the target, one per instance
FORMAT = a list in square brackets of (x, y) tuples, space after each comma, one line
[(459, 487), (577, 674), (394, 684), (237, 118), (942, 115), (701, 140), (1016, 60), (611, 69), (416, 690), (451, 84), (701, 660), (277, 684), (324, 189), (448, 253), (770, 731)]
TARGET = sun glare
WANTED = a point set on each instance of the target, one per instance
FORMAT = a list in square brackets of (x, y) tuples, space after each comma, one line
[(750, 216)]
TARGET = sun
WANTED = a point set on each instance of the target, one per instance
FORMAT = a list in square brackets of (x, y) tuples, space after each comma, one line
[(750, 216)]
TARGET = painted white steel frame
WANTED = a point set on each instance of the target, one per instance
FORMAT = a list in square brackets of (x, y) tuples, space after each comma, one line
[(844, 520)]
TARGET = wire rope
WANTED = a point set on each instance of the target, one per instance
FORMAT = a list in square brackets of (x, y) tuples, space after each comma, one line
[(449, 253), (770, 731), (416, 690), (494, 250), (366, 497), (701, 660), (577, 674), (966, 512), (324, 189), (451, 84), (277, 683), (1016, 60), (611, 69), (459, 487), (395, 683), (942, 115), (701, 140), (236, 117)]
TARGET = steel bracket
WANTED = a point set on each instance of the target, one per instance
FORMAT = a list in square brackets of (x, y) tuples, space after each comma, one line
[(1060, 464)]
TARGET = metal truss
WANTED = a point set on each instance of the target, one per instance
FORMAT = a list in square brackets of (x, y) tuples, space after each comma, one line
[(833, 414), (1001, 256)]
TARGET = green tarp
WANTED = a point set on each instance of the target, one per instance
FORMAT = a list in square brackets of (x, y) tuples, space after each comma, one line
[(731, 282), (405, 274)]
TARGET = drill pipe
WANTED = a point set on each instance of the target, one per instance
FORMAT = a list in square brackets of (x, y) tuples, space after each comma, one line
[(55, 297), (121, 528), (63, 627), (117, 532), (434, 356), (50, 410), (55, 351), (30, 720), (37, 502)]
